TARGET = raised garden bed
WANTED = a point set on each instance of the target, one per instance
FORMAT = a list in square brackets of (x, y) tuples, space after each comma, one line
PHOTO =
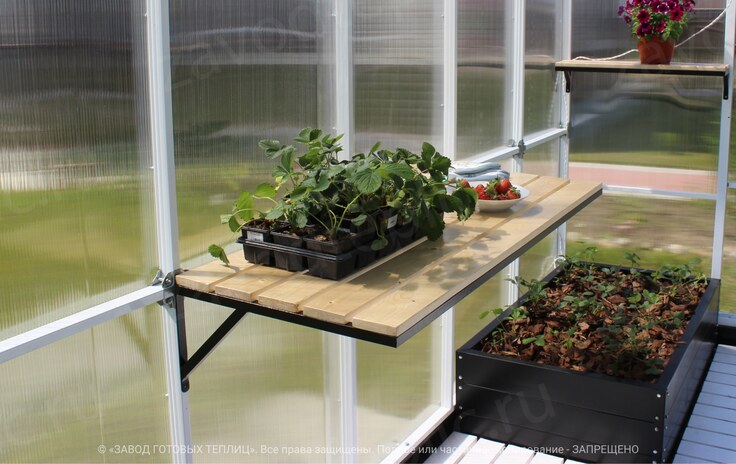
[(584, 415)]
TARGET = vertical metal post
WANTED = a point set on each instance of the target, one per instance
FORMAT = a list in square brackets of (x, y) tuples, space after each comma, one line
[(564, 22), (446, 372), (341, 395), (719, 225), (162, 147), (516, 40)]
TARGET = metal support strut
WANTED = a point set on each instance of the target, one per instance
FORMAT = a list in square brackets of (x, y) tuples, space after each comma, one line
[(173, 300)]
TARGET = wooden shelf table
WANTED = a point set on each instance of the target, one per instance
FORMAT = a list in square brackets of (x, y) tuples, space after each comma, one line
[(397, 296)]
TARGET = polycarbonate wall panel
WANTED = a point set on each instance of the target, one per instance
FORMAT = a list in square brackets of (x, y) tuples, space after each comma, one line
[(98, 396), (469, 312), (667, 122), (397, 55), (543, 48), (728, 289), (398, 389), (661, 231), (481, 75), (75, 185), (259, 395), (242, 72)]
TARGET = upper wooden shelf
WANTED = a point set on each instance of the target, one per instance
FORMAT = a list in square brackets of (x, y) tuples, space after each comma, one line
[(634, 67), (394, 298)]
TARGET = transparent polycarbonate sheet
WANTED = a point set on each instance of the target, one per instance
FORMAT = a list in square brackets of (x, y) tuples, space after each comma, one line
[(398, 389), (659, 230), (241, 72), (728, 273), (75, 184), (259, 396), (482, 47), (543, 47), (86, 397), (539, 260), (470, 313), (397, 54), (543, 160), (668, 122)]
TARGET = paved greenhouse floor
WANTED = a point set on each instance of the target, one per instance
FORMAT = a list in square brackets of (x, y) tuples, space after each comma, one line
[(711, 432)]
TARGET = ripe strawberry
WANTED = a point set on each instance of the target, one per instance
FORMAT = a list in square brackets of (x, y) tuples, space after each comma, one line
[(464, 183), (503, 186)]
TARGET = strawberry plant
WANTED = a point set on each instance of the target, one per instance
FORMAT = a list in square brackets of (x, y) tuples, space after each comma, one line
[(620, 322)]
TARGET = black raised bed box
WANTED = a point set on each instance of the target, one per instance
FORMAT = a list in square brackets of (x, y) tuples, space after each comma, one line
[(585, 416)]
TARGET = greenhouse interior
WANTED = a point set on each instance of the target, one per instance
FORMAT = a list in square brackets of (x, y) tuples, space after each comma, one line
[(476, 153)]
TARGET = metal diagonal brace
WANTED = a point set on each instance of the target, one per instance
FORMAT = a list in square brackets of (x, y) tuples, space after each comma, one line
[(188, 365)]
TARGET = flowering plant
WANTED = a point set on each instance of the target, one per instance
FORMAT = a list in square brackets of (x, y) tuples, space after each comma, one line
[(656, 18)]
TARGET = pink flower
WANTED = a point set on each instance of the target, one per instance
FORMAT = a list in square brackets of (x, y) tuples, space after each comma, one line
[(676, 14), (643, 16)]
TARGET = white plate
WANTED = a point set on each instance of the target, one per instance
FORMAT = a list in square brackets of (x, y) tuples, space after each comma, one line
[(487, 206)]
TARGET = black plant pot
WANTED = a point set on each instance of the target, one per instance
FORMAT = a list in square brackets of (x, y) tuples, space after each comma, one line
[(332, 247), (287, 239), (256, 234), (583, 415), (257, 255)]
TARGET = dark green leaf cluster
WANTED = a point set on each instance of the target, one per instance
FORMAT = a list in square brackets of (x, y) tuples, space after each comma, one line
[(318, 188)]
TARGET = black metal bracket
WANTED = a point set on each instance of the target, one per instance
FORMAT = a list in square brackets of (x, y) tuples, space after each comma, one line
[(568, 81), (188, 364)]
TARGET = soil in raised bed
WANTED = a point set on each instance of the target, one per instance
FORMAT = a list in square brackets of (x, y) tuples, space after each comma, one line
[(601, 319)]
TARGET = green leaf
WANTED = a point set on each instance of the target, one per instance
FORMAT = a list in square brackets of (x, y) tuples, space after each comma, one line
[(540, 341), (498, 311), (298, 193), (375, 147), (529, 340), (298, 219), (447, 203), (269, 145), (225, 218), (287, 159), (233, 224), (359, 220), (430, 222), (335, 170), (314, 134), (379, 244), (468, 198), (265, 190), (275, 213), (484, 314), (367, 181), (244, 206), (303, 135), (323, 183), (217, 252), (401, 170), (428, 151)]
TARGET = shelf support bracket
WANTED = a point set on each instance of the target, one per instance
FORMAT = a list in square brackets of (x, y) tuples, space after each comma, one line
[(188, 364), (568, 81), (726, 85)]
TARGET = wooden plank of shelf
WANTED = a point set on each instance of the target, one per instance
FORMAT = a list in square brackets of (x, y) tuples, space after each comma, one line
[(204, 278), (340, 303), (695, 69), (396, 311), (248, 284)]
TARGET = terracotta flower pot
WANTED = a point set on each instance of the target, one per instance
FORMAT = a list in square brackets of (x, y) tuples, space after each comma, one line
[(655, 51)]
